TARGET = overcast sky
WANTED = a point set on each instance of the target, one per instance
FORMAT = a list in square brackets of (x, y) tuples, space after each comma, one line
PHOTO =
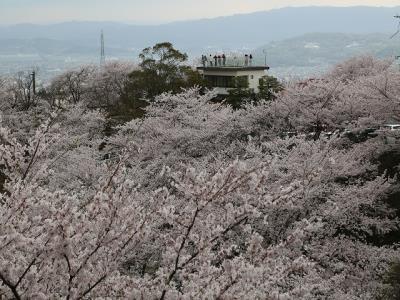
[(149, 11)]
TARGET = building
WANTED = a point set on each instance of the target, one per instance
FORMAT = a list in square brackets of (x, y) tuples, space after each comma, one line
[(227, 75)]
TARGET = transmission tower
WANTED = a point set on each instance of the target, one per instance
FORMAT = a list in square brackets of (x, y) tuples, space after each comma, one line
[(398, 27), (102, 52)]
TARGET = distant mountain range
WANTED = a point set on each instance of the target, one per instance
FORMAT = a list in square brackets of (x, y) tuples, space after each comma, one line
[(238, 31), (306, 37)]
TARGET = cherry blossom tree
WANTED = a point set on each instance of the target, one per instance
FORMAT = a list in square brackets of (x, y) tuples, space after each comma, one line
[(71, 86), (107, 87), (200, 201)]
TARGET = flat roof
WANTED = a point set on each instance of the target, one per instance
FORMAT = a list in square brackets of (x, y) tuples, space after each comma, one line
[(232, 68)]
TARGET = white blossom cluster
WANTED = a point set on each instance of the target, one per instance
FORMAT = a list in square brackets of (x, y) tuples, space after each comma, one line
[(280, 200)]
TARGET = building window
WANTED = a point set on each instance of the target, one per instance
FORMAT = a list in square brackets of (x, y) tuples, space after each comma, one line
[(227, 81), (220, 81)]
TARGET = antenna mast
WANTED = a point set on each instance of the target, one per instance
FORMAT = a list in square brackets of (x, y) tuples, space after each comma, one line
[(102, 52), (265, 56)]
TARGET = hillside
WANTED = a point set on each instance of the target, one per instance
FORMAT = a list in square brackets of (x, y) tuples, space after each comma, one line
[(296, 198), (315, 52)]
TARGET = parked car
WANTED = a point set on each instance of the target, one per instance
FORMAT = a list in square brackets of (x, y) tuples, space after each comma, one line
[(390, 127)]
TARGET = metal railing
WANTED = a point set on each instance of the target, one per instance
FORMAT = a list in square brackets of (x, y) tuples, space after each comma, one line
[(227, 62)]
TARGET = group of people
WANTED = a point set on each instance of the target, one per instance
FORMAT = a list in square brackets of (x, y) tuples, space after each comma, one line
[(248, 59), (216, 61), (220, 60)]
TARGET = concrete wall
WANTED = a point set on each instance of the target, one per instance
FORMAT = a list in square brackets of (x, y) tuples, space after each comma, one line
[(254, 77)]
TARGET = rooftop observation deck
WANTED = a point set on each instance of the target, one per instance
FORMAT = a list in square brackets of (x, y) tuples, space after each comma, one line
[(233, 68), (229, 63), (228, 72)]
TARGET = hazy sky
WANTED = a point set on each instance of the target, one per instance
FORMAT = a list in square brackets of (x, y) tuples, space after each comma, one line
[(148, 11)]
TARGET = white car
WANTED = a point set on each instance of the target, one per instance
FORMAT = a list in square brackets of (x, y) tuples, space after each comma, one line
[(390, 127)]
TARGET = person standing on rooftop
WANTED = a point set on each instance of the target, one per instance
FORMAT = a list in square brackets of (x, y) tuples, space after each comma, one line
[(223, 60), (204, 60), (246, 60)]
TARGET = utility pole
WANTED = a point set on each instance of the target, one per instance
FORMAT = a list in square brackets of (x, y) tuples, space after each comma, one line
[(33, 82), (102, 52)]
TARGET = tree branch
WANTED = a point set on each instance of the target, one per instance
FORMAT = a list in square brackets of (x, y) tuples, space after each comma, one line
[(10, 286), (26, 270), (93, 286), (176, 266)]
